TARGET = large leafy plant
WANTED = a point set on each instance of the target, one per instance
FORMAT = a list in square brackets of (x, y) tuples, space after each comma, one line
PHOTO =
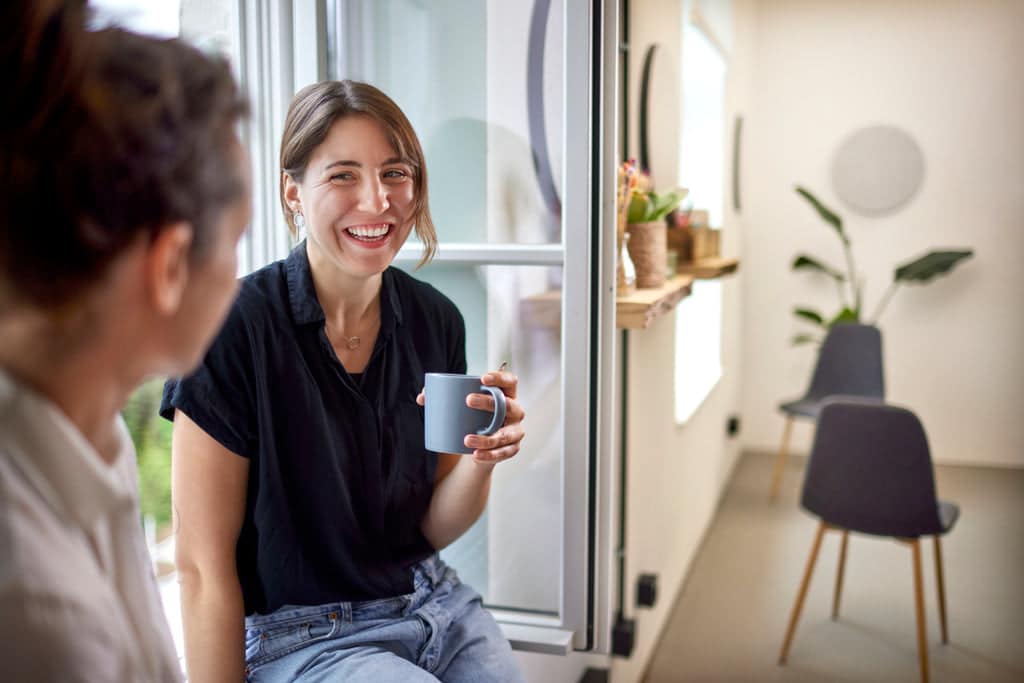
[(850, 286)]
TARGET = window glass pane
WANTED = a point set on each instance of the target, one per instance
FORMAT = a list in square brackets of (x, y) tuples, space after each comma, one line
[(512, 555), (482, 84), (152, 18)]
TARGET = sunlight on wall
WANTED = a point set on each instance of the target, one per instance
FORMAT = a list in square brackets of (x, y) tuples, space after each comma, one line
[(699, 316)]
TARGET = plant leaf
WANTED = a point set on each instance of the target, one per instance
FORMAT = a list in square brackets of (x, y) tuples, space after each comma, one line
[(847, 315), (665, 203), (799, 339), (639, 207), (826, 214), (805, 261), (809, 315), (933, 263), (646, 207)]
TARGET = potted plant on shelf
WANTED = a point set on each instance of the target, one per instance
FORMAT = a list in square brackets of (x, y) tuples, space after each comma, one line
[(648, 236), (849, 284)]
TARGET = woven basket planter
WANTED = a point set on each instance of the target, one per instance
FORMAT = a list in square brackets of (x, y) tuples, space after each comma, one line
[(647, 249)]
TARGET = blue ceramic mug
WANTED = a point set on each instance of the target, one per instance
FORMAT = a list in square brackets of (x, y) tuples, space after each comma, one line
[(448, 420)]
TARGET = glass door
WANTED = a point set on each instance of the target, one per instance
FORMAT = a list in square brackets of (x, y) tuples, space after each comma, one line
[(507, 101)]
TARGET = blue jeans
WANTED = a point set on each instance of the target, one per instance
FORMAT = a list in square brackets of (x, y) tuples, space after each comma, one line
[(440, 631)]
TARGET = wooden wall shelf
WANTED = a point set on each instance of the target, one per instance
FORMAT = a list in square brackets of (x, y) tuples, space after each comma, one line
[(709, 268), (639, 308), (634, 310)]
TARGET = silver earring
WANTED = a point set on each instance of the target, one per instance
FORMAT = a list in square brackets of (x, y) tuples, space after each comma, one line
[(300, 220)]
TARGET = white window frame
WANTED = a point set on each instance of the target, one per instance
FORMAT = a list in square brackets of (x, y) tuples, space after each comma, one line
[(584, 619), (283, 47)]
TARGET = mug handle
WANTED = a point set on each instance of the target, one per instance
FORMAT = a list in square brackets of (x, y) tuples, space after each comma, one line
[(499, 410)]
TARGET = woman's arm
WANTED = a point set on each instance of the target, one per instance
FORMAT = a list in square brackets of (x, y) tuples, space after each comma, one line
[(208, 490), (463, 482)]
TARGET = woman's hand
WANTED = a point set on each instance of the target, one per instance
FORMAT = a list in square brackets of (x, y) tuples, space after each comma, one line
[(504, 443)]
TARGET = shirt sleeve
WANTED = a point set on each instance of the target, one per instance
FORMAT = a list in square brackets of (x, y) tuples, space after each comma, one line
[(456, 335), (220, 394)]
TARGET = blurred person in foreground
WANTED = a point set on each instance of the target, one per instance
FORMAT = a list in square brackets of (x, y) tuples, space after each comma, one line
[(123, 193)]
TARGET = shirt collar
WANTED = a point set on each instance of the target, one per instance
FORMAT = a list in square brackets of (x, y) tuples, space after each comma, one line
[(302, 294), (59, 460)]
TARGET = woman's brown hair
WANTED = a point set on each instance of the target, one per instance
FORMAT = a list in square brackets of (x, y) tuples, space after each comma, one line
[(142, 137), (316, 108)]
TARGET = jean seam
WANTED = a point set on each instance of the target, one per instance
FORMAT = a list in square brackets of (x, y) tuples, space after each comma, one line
[(259, 661)]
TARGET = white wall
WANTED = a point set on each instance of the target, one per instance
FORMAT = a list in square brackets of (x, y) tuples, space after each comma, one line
[(948, 72), (656, 22), (676, 473)]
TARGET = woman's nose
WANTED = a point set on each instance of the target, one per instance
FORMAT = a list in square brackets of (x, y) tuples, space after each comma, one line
[(374, 196)]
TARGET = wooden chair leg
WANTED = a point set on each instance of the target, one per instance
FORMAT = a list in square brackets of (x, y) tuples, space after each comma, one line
[(941, 584), (839, 575), (780, 459), (795, 616), (922, 642)]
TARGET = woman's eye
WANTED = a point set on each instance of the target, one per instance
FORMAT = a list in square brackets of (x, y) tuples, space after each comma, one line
[(341, 177), (395, 173)]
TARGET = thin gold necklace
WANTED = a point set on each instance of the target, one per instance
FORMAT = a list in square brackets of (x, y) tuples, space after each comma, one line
[(351, 343)]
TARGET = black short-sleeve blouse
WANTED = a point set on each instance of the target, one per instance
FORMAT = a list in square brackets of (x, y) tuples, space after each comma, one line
[(339, 479)]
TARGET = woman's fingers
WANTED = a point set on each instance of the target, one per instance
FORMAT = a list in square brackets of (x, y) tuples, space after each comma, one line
[(506, 437), (513, 409), (508, 382)]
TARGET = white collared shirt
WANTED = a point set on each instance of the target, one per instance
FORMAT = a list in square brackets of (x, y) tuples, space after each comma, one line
[(78, 599)]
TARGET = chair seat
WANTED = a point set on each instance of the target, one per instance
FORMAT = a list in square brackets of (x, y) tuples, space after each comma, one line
[(810, 406), (948, 514), (804, 407)]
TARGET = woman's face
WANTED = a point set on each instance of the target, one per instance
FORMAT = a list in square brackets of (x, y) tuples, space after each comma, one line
[(356, 197)]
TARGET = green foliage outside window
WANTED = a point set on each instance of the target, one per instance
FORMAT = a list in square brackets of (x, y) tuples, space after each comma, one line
[(152, 437)]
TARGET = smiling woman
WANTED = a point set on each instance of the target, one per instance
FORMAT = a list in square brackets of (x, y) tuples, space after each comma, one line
[(356, 197), (334, 121), (302, 487)]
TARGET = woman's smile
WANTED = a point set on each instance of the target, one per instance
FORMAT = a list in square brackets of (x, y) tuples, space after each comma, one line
[(370, 235)]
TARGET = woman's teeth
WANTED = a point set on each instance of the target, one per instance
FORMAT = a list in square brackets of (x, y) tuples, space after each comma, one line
[(369, 232)]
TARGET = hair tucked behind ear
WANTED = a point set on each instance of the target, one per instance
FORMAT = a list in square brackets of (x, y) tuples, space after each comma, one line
[(107, 136)]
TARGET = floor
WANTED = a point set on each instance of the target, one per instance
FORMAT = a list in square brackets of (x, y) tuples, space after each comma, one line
[(730, 617)]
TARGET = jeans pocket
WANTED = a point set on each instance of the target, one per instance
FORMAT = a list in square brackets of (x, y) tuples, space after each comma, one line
[(277, 640)]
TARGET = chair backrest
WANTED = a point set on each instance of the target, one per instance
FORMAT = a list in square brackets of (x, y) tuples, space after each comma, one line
[(849, 363), (870, 470)]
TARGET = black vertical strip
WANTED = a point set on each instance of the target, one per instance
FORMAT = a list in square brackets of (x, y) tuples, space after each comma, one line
[(621, 549), (596, 240), (643, 116)]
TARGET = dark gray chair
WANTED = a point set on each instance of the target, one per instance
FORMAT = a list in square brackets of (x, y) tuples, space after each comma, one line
[(849, 364), (871, 472)]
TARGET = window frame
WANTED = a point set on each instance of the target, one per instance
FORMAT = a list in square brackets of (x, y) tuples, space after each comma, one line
[(283, 46), (588, 318)]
